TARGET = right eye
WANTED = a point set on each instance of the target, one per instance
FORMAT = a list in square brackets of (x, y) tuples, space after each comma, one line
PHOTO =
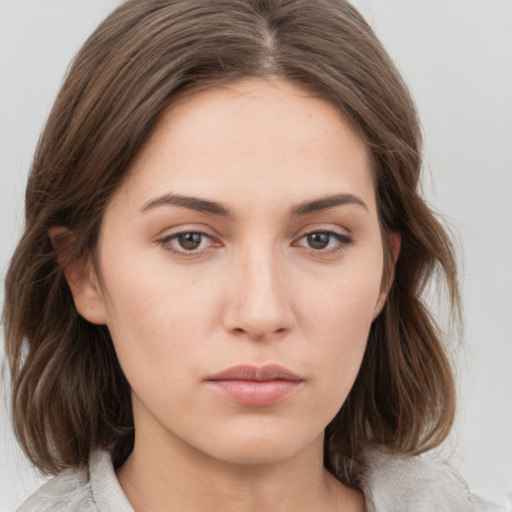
[(187, 243)]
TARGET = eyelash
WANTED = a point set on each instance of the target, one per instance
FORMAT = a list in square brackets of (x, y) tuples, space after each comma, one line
[(343, 242), (166, 243)]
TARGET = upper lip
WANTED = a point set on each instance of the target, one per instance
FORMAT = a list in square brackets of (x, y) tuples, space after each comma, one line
[(257, 374)]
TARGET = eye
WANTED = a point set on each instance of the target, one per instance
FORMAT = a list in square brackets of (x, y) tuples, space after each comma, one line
[(324, 241), (187, 242)]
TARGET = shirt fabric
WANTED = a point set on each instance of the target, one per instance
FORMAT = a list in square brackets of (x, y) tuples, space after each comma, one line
[(391, 484)]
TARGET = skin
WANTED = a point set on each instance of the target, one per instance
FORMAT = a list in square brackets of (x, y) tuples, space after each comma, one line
[(255, 290)]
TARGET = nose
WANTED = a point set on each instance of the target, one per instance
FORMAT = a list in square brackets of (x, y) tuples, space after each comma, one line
[(259, 306)]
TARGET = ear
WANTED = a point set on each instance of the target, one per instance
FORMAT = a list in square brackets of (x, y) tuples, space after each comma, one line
[(80, 276), (394, 244)]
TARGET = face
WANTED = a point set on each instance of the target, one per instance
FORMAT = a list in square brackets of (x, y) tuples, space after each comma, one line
[(240, 268)]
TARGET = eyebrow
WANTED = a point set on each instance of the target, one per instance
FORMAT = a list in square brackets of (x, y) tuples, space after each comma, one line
[(214, 208), (327, 202), (190, 202)]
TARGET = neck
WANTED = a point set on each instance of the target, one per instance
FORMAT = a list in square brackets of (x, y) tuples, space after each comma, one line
[(174, 476)]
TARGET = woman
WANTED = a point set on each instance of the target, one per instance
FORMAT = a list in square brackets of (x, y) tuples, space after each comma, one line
[(216, 304)]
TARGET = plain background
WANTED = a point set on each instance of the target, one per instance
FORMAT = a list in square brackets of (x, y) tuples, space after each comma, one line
[(456, 55)]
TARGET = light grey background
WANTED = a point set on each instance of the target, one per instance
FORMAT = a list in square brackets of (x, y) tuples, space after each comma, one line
[(457, 57)]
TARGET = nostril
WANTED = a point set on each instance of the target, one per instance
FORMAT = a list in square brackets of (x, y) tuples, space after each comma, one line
[(258, 337)]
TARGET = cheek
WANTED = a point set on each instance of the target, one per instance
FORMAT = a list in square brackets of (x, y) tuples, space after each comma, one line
[(339, 340), (155, 317), (343, 302), (336, 322)]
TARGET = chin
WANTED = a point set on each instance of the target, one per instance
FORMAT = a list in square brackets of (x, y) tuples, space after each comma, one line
[(263, 447)]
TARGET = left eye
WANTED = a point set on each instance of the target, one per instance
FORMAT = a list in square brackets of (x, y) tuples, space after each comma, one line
[(187, 241), (322, 240)]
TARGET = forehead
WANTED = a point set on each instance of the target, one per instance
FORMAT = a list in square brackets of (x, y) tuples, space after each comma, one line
[(251, 138)]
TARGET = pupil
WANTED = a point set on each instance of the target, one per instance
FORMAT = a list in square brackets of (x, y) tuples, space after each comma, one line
[(190, 241), (318, 240)]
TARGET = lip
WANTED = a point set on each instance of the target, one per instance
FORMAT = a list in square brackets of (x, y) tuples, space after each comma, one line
[(255, 386)]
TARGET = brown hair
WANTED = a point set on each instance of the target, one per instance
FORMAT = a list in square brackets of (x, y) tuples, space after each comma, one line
[(69, 395)]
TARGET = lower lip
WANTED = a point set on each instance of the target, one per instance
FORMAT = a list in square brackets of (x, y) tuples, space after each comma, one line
[(255, 393)]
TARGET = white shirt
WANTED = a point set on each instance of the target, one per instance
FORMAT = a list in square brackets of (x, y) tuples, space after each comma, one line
[(391, 484)]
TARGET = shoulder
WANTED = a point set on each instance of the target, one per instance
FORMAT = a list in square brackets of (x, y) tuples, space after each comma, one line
[(395, 483), (94, 488), (70, 490)]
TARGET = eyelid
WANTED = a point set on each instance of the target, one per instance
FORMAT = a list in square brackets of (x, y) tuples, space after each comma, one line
[(165, 242), (344, 240)]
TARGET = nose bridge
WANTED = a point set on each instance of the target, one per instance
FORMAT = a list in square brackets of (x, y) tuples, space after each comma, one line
[(260, 303)]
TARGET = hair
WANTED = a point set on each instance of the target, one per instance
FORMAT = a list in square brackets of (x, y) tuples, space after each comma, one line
[(69, 395)]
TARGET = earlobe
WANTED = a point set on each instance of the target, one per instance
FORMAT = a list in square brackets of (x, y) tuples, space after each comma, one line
[(86, 291), (395, 242), (380, 304), (80, 276)]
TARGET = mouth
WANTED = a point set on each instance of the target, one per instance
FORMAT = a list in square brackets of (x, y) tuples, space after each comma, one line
[(253, 386)]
